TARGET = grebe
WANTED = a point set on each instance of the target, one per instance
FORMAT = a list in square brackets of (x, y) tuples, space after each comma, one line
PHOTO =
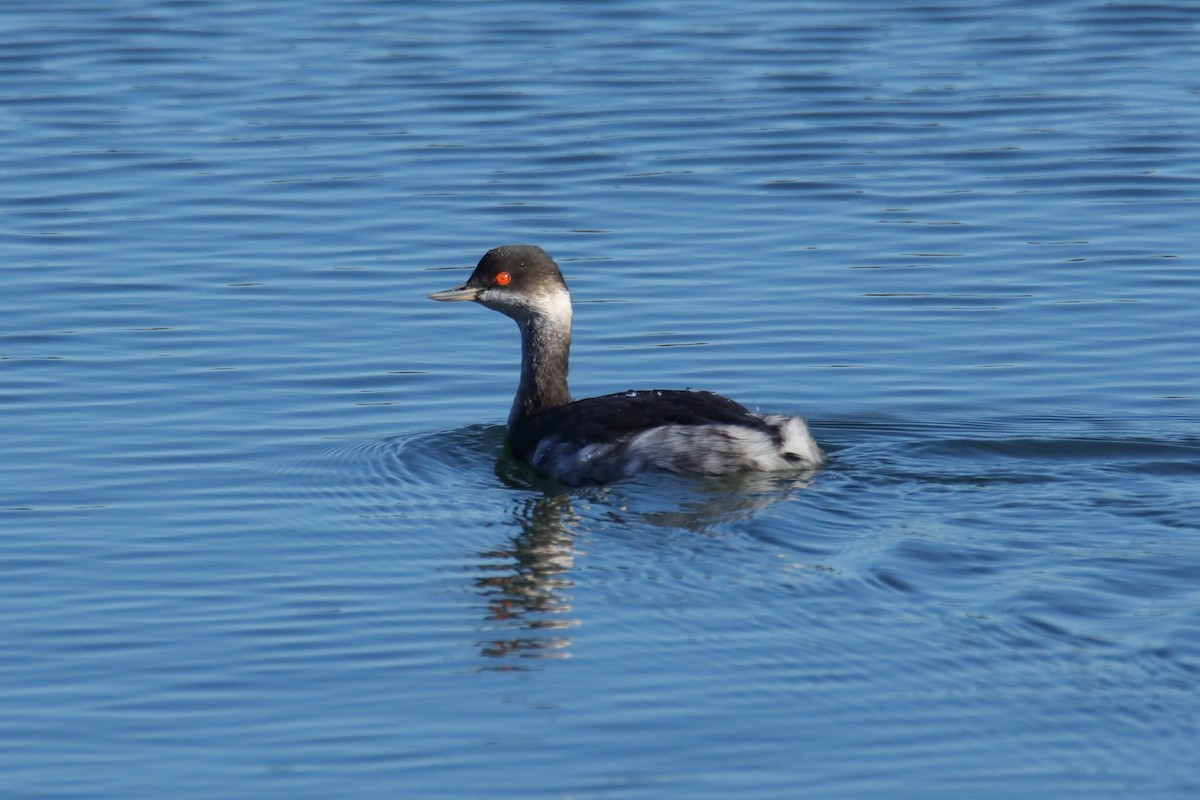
[(603, 439)]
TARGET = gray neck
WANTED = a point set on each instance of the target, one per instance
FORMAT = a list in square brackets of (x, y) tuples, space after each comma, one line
[(545, 348)]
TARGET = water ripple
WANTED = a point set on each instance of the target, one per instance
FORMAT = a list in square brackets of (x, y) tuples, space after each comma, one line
[(256, 511)]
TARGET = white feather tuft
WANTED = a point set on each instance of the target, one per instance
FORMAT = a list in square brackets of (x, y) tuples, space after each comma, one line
[(704, 449)]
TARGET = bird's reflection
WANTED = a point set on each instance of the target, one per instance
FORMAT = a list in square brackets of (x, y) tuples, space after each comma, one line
[(527, 586)]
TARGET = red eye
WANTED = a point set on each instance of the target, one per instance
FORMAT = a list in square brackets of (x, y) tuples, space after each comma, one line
[(502, 279)]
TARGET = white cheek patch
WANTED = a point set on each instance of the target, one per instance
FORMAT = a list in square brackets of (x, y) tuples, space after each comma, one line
[(557, 306), (551, 308)]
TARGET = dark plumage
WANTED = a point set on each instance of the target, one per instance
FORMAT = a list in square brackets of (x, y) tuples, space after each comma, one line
[(596, 420)]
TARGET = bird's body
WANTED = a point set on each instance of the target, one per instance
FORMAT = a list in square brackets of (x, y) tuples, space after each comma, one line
[(606, 438)]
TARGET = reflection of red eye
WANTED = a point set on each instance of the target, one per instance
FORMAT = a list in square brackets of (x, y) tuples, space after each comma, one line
[(503, 279)]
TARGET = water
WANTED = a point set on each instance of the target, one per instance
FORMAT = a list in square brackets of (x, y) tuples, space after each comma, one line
[(259, 536)]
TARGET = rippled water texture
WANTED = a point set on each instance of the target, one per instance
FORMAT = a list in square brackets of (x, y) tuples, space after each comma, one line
[(259, 536)]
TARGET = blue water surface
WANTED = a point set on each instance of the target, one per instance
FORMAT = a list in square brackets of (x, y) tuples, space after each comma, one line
[(259, 536)]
